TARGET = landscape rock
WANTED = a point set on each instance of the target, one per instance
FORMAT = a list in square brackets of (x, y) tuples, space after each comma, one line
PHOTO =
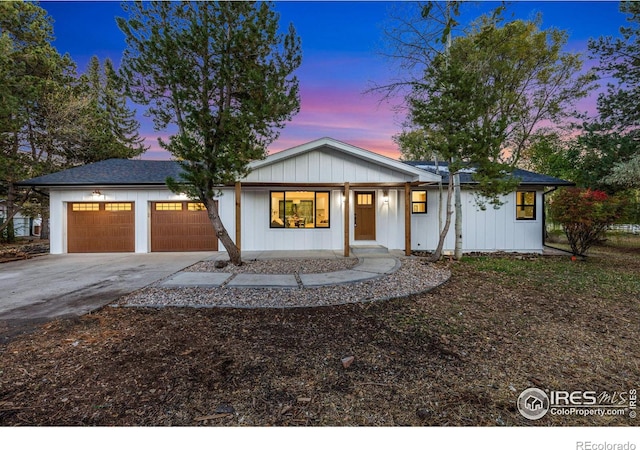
[(423, 413), (225, 409), (347, 361), (220, 264)]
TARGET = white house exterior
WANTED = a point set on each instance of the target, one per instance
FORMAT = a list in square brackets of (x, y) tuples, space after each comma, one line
[(23, 226), (321, 195)]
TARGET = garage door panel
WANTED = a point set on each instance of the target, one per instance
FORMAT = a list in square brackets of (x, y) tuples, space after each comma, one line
[(97, 228), (181, 227)]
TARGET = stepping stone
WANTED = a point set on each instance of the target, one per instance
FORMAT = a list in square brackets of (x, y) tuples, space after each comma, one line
[(377, 265), (340, 277), (196, 279), (253, 280)]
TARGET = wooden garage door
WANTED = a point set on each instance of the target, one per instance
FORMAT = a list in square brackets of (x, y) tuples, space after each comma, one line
[(100, 227), (181, 227)]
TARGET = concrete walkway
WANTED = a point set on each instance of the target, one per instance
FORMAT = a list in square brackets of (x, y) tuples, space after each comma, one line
[(369, 267)]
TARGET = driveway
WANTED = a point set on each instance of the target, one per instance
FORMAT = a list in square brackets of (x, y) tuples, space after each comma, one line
[(70, 285)]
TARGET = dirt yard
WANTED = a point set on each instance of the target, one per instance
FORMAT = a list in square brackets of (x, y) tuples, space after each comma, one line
[(459, 355)]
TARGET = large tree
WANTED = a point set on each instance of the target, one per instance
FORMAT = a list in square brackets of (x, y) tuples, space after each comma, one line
[(603, 152), (618, 123), (220, 74), (113, 124), (51, 119), (32, 73), (479, 103)]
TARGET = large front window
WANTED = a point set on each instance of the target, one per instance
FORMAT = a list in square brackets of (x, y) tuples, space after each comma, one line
[(299, 209)]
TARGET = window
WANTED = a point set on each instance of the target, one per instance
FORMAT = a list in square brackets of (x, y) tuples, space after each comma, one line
[(117, 207), (196, 207), (299, 209), (364, 199), (419, 202), (526, 205), (169, 206), (85, 207)]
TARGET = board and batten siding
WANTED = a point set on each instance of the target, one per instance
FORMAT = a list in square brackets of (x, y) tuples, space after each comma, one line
[(325, 166), (483, 231), (257, 234)]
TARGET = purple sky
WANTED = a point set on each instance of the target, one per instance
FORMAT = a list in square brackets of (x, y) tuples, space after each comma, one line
[(340, 42)]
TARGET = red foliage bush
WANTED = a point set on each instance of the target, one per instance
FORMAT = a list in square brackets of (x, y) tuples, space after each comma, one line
[(584, 215)]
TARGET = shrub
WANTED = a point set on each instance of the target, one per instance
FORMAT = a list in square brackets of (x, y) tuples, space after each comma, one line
[(584, 215)]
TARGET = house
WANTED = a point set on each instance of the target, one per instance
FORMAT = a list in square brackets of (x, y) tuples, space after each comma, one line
[(323, 194), (23, 226)]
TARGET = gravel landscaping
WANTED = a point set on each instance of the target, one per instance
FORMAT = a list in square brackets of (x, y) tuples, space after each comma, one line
[(414, 276), (278, 266)]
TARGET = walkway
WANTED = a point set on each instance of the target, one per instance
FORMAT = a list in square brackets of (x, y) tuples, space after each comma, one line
[(369, 267), (374, 277)]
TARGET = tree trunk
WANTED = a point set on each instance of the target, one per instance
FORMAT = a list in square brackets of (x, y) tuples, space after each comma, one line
[(11, 212), (458, 226), (443, 233), (221, 232), (44, 227)]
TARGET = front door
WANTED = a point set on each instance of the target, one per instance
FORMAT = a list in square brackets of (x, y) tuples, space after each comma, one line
[(364, 220)]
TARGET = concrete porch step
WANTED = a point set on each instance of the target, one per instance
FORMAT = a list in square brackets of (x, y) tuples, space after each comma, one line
[(364, 250)]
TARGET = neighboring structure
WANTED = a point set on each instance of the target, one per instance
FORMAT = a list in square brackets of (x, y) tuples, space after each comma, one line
[(321, 195), (23, 226)]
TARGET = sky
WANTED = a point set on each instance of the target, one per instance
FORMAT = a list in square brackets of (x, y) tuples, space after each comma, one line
[(341, 43)]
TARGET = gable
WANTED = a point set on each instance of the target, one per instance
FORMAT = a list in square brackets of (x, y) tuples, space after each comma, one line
[(329, 161)]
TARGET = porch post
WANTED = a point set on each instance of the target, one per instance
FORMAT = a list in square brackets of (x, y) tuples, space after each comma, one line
[(407, 219), (238, 217), (346, 219)]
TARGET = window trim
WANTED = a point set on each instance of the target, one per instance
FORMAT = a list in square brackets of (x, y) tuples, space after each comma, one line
[(521, 203), (315, 210), (426, 198)]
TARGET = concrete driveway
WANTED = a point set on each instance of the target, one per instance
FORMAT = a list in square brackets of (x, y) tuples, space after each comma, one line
[(53, 286)]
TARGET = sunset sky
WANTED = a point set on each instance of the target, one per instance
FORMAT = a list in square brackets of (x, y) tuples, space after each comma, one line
[(340, 44)]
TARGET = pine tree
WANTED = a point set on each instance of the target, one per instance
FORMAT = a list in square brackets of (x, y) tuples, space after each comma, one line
[(221, 73), (111, 126)]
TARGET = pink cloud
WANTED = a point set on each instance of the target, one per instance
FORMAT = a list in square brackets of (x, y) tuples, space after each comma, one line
[(345, 114)]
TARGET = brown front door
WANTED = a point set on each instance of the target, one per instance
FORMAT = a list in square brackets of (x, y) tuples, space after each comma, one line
[(181, 227), (99, 227), (364, 220)]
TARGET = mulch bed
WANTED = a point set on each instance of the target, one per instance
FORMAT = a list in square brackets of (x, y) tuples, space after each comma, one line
[(459, 355), (23, 250)]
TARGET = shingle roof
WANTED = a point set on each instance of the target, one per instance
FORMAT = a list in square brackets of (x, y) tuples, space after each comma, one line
[(112, 172), (143, 172), (526, 177)]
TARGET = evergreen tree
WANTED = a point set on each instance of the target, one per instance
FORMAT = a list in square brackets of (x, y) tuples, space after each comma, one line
[(615, 133), (112, 130), (221, 73), (32, 72)]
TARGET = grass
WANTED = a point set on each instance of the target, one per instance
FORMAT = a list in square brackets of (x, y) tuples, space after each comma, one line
[(563, 276), (459, 355)]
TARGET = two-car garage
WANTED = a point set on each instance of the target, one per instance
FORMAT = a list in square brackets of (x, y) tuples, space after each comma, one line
[(105, 227)]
